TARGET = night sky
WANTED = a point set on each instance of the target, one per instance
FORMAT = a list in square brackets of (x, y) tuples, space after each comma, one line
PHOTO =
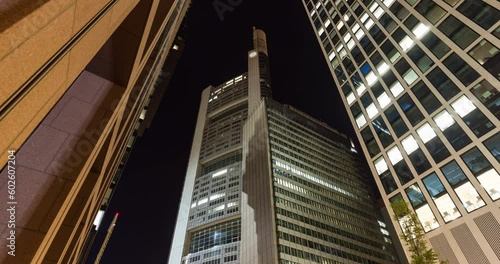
[(149, 191)]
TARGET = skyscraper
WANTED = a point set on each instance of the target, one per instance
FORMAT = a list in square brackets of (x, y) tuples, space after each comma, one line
[(266, 183), (77, 79), (419, 80)]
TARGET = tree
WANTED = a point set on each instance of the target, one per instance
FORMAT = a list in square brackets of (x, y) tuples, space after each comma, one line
[(413, 235)]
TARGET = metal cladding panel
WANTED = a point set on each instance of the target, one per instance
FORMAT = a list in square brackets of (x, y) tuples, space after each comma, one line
[(490, 228), (440, 244), (259, 244), (468, 244)]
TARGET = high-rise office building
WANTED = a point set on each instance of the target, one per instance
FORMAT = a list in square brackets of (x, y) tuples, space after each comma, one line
[(78, 78), (267, 183), (420, 80)]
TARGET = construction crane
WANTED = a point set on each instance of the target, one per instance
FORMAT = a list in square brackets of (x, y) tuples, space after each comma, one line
[(105, 243)]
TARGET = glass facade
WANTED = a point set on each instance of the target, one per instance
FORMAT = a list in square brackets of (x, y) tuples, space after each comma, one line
[(323, 205), (432, 138)]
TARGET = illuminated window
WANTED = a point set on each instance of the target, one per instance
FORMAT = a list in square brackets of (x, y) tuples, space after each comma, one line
[(444, 120), (382, 68), (463, 106), (384, 100), (371, 110), (490, 180), (379, 12), (203, 201), (381, 165), (406, 43), (427, 218), (388, 3), (360, 89), (441, 198), (355, 27), (426, 133), (396, 89), (351, 44), (350, 98), (371, 78), (360, 120), (394, 155), (327, 23), (364, 17), (420, 30), (360, 34), (409, 144), (469, 197), (369, 23), (331, 56), (321, 31), (340, 25)]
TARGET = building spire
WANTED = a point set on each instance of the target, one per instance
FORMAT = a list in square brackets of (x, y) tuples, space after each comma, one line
[(259, 41)]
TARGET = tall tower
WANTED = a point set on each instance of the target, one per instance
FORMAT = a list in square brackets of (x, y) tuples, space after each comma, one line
[(267, 183), (419, 80)]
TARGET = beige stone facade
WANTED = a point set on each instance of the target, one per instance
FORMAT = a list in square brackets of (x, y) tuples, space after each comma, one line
[(75, 78)]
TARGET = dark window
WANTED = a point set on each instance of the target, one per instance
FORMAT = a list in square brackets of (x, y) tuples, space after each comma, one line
[(411, 22), (377, 34), (404, 68), (493, 145), (437, 149), (383, 133), (453, 173), (387, 22), (376, 58), (390, 51), (419, 161), (398, 10), (388, 182), (403, 172), (443, 84), (479, 12), (430, 10), (456, 136), (420, 59), (433, 43), (478, 122), (415, 195), (367, 45), (355, 109), (434, 185), (465, 73), (397, 123), (489, 96), (377, 89), (366, 99), (426, 97), (458, 32), (487, 55), (476, 161), (357, 55), (346, 88), (370, 142), (410, 109)]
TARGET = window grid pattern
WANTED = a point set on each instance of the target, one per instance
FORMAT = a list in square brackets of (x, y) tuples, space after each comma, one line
[(216, 195), (228, 92), (335, 197), (426, 69)]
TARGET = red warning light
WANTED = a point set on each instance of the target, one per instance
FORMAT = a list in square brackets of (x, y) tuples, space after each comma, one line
[(117, 214)]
